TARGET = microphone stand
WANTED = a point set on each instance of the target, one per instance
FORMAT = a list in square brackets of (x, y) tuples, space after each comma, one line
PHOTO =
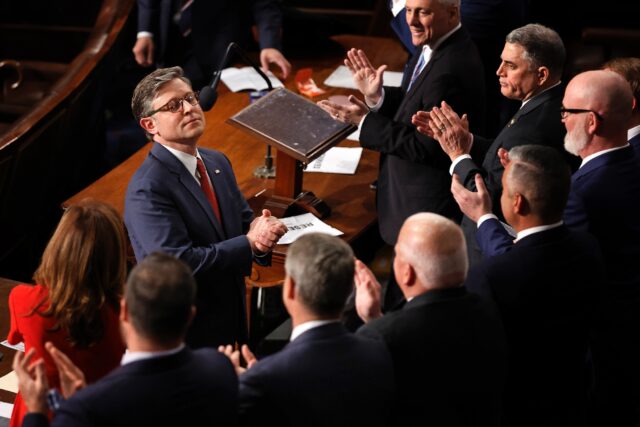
[(209, 95)]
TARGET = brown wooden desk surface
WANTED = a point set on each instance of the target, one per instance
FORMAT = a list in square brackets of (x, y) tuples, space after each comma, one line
[(349, 196), (5, 365)]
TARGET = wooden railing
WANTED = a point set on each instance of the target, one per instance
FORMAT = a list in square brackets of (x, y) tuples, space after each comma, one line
[(52, 148)]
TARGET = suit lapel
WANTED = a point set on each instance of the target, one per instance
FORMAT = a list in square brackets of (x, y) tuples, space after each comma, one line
[(187, 181), (603, 160)]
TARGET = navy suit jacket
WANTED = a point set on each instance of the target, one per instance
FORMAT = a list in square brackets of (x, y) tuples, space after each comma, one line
[(605, 200), (413, 174), (449, 353), (214, 24), (537, 122), (187, 388), (166, 210), (544, 288), (325, 377), (635, 143)]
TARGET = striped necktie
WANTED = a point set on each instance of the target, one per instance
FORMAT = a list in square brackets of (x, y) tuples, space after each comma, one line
[(422, 61)]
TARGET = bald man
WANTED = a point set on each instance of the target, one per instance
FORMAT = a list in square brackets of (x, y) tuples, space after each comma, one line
[(447, 346), (605, 201)]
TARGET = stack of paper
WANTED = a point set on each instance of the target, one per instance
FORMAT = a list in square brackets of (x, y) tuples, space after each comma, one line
[(303, 224), (247, 78), (341, 77), (337, 160)]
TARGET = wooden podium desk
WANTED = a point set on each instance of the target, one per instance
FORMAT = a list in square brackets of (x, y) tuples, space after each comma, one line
[(349, 196), (5, 364)]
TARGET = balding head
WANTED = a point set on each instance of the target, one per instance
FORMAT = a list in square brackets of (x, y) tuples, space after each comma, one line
[(605, 100), (434, 247)]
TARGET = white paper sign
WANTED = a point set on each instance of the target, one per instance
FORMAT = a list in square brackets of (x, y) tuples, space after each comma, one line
[(342, 160), (247, 78), (304, 224), (341, 77)]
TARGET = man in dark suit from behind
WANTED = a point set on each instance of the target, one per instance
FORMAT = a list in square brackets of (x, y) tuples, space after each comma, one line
[(326, 376), (544, 288), (447, 345), (530, 70), (161, 382)]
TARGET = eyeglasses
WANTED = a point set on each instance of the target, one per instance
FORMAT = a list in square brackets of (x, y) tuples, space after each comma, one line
[(564, 112), (175, 104)]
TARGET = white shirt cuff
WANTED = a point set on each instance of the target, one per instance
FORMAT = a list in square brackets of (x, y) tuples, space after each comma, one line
[(485, 217), (142, 34), (456, 161), (376, 107)]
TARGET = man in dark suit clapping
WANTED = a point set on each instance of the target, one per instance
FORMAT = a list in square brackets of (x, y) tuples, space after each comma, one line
[(160, 383), (447, 345)]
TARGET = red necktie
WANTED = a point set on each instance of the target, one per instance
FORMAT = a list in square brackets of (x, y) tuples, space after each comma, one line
[(208, 189)]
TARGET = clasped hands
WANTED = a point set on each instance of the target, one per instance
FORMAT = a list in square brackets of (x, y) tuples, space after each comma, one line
[(264, 233), (368, 81)]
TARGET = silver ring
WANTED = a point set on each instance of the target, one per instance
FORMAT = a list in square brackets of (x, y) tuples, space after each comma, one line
[(442, 129), (336, 116)]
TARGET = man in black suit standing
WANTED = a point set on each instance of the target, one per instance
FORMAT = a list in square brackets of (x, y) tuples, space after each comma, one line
[(413, 174), (204, 29), (530, 71), (160, 383), (447, 345), (544, 288), (325, 376)]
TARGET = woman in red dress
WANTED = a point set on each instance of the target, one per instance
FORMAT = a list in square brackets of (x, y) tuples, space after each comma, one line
[(75, 302)]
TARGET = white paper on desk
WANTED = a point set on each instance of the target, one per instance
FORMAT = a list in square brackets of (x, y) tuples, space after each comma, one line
[(6, 409), (337, 160), (19, 346), (354, 136), (238, 79), (9, 382), (341, 77), (304, 224)]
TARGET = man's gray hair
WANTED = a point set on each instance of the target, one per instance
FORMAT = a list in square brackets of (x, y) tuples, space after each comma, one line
[(322, 269), (542, 47)]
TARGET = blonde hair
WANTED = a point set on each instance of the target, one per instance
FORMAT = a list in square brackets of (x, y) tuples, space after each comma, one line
[(83, 267)]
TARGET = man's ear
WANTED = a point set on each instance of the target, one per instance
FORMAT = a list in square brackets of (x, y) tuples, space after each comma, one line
[(520, 205), (124, 310), (149, 125), (542, 75), (288, 289)]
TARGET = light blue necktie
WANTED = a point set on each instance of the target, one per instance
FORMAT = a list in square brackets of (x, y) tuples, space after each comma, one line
[(418, 69)]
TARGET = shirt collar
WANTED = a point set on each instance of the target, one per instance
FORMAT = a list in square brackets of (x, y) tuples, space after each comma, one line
[(634, 131), (304, 327), (600, 153), (135, 356), (189, 161), (533, 230), (538, 94), (446, 36)]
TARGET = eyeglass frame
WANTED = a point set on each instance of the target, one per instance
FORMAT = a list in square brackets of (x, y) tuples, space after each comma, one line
[(564, 112), (181, 101)]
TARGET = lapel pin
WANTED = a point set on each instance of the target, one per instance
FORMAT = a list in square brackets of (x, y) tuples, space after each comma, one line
[(217, 171)]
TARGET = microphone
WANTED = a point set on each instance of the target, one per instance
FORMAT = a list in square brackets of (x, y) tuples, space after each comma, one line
[(209, 93)]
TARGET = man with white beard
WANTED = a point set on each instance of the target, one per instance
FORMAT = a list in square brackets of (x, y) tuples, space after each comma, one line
[(605, 201)]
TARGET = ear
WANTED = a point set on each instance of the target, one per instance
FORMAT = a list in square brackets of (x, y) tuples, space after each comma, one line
[(149, 125), (288, 289), (520, 205), (124, 310), (542, 75)]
